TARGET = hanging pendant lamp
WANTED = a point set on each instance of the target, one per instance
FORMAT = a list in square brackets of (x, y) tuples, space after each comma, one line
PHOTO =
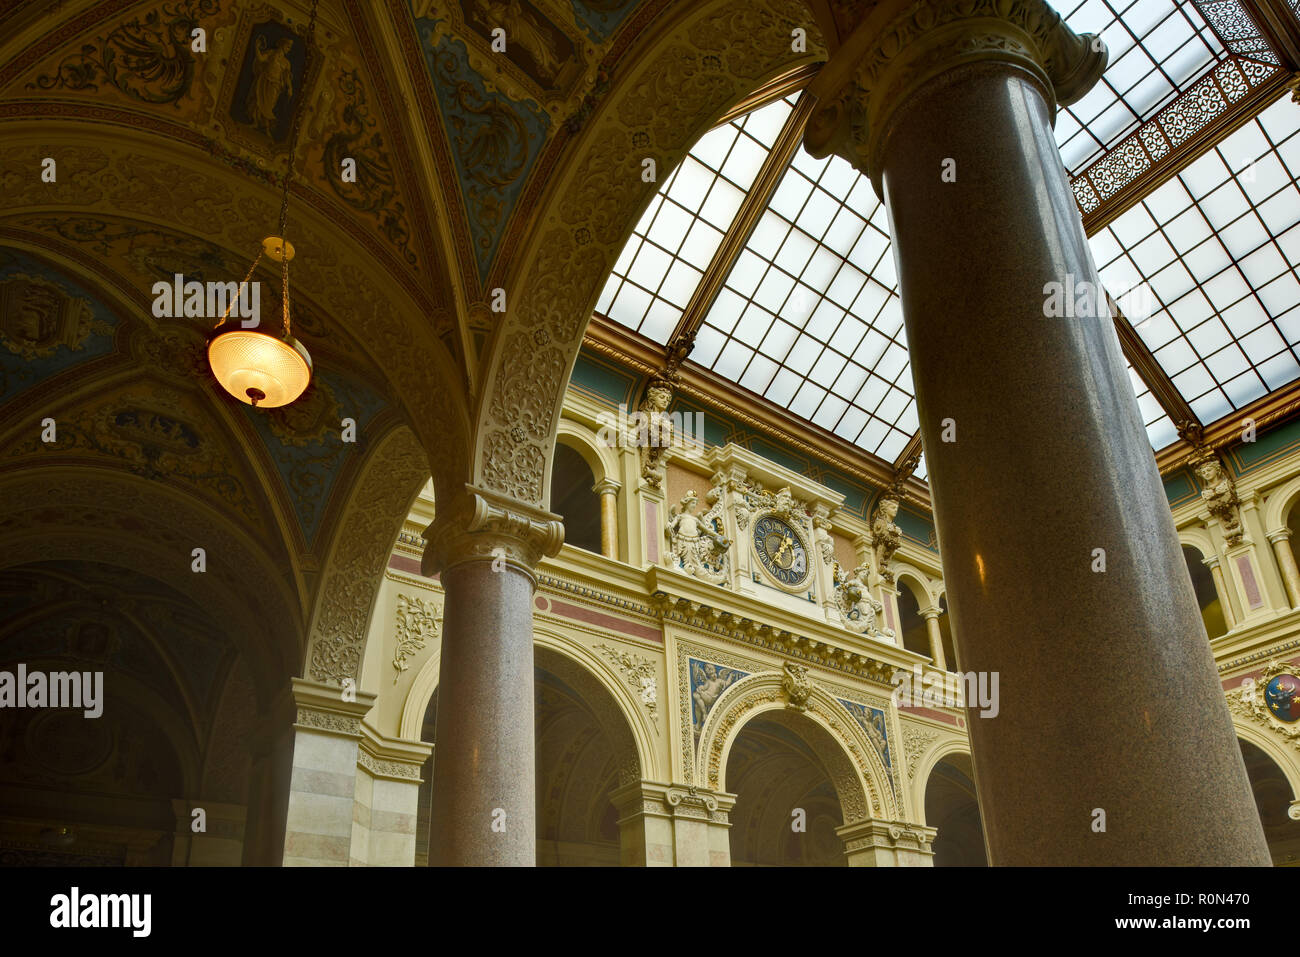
[(260, 369)]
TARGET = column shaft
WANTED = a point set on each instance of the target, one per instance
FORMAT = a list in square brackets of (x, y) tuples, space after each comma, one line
[(936, 640), (608, 519), (1286, 561), (1110, 701), (483, 809), (1221, 587)]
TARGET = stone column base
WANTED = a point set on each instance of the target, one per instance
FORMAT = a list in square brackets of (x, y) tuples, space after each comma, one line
[(888, 844)]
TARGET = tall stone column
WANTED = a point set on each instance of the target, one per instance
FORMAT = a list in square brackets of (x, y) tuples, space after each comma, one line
[(485, 547), (607, 489), (1221, 587), (1281, 541), (936, 638), (1113, 743)]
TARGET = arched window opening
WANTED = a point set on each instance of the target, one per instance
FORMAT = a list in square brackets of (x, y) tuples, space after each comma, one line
[(1207, 596), (574, 498)]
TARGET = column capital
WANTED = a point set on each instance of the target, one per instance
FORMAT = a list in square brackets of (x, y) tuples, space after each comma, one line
[(931, 614), (1279, 535), (485, 526), (896, 46), (1211, 562), (606, 486)]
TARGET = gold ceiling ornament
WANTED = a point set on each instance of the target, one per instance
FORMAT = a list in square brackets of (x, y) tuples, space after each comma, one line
[(260, 369)]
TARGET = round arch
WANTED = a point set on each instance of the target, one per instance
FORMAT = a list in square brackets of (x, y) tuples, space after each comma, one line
[(857, 771), (343, 605), (592, 671), (921, 588), (1199, 539), (945, 747), (1279, 755), (710, 56), (601, 459), (1279, 503)]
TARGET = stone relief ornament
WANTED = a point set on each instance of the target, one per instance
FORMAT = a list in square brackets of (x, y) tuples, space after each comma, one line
[(37, 317), (822, 536), (916, 741), (859, 611), (1219, 494), (885, 535), (640, 675), (659, 433), (1272, 700), (417, 624), (797, 685), (695, 542)]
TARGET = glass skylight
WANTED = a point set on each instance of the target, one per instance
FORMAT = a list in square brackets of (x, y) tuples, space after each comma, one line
[(663, 262), (1219, 246), (810, 316), (1157, 49)]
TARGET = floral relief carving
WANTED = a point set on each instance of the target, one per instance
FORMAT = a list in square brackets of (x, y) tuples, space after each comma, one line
[(916, 741), (417, 624), (640, 675)]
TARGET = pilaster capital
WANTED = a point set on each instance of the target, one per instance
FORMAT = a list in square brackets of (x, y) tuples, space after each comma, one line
[(606, 487), (486, 526), (1279, 535), (329, 708), (876, 833), (395, 759), (638, 798), (896, 46)]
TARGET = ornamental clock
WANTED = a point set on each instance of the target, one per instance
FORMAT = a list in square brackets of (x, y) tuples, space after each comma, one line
[(781, 551)]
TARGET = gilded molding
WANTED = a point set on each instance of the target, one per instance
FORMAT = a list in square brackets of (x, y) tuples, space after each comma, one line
[(899, 45)]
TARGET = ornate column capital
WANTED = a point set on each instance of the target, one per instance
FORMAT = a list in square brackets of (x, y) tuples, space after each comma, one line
[(898, 45), (486, 526)]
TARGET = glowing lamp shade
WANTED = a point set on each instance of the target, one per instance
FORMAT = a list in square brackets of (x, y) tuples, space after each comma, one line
[(260, 369)]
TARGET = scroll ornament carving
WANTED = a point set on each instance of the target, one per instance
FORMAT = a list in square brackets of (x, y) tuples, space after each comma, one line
[(916, 741), (640, 675), (695, 542), (1250, 701), (417, 624), (885, 59), (484, 526), (859, 610), (797, 685)]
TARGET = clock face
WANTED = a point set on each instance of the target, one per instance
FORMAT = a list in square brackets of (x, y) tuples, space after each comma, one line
[(781, 551)]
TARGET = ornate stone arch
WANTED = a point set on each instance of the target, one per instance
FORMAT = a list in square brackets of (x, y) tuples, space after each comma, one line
[(378, 503), (945, 746), (715, 54), (617, 709), (1283, 757), (857, 772)]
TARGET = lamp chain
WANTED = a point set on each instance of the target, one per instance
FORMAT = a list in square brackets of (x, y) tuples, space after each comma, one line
[(288, 169)]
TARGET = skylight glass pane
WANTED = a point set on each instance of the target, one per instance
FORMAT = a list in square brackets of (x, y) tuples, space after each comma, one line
[(1158, 48), (1215, 321), (663, 261)]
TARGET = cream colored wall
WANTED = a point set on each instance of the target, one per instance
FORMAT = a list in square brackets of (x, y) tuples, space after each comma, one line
[(625, 620)]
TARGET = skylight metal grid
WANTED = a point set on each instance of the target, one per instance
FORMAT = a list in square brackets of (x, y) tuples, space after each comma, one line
[(1219, 246), (1157, 48), (809, 316), (664, 260)]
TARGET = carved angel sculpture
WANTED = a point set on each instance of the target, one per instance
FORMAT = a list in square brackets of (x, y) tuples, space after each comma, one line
[(859, 611), (696, 543)]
